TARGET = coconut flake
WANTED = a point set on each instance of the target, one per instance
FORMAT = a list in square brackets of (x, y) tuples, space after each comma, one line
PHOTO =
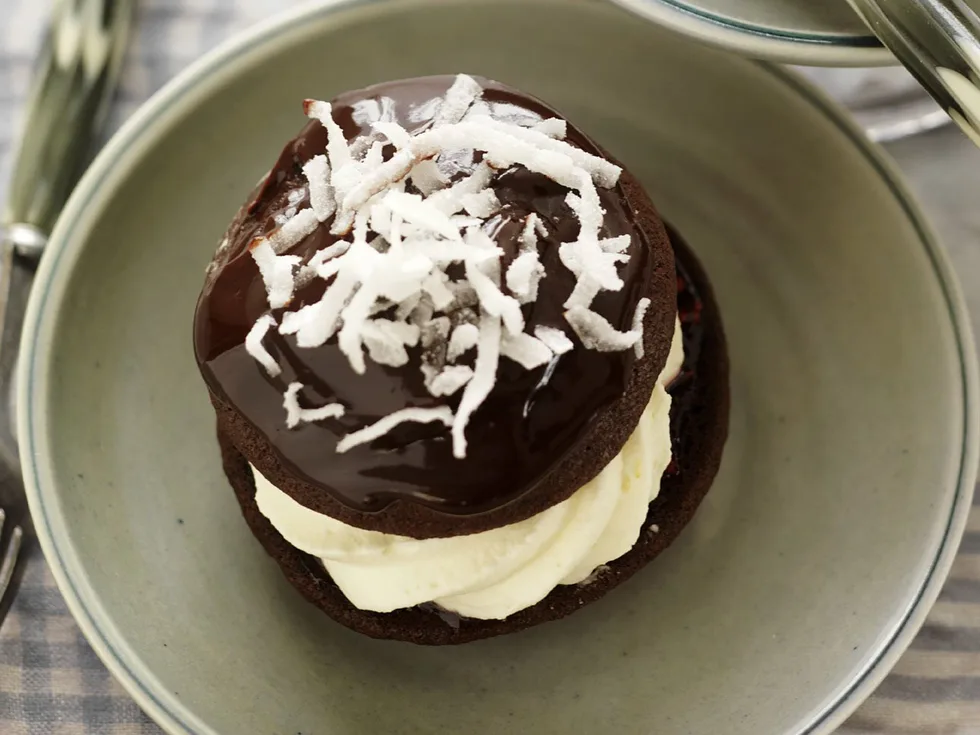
[(615, 244), (355, 317), (435, 331), (284, 217), (554, 339), (294, 231), (587, 208), (421, 314), (337, 149), (313, 325), (584, 293), (444, 252), (552, 127), (452, 162), (529, 235), (450, 380), (585, 258), (493, 301), (368, 111), (276, 272), (296, 415), (373, 182), (394, 132), (525, 350), (477, 109), (389, 422), (384, 347), (254, 346), (484, 378), (427, 177), (374, 157), (450, 201), (424, 111), (482, 204), (638, 316), (421, 213), (464, 91), (524, 276), (512, 114), (435, 285), (605, 173), (464, 338), (502, 149), (595, 270), (317, 171), (327, 254), (598, 334)]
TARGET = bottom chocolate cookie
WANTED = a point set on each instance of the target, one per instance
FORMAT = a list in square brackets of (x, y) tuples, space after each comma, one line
[(699, 420)]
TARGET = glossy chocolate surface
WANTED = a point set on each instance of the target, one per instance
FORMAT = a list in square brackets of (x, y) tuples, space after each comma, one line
[(531, 420)]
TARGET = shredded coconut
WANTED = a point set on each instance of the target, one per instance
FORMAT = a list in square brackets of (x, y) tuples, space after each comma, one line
[(296, 415), (638, 315), (254, 346), (450, 380), (317, 171), (526, 350), (394, 132), (479, 387), (554, 339), (464, 339), (463, 93), (418, 267), (427, 177), (276, 272), (524, 276), (482, 204), (552, 127), (529, 235), (389, 422), (598, 334), (294, 231)]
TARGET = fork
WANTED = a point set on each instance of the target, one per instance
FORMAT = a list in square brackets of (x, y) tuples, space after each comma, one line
[(76, 75)]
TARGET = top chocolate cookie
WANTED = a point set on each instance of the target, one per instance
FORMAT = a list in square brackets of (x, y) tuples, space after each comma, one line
[(429, 318)]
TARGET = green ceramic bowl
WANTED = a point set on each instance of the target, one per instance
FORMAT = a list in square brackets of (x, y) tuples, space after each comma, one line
[(845, 484)]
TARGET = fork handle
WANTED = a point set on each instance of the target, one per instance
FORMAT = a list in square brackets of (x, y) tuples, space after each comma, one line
[(75, 76), (939, 42)]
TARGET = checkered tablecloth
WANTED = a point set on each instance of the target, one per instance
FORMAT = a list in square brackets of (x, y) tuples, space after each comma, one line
[(52, 684)]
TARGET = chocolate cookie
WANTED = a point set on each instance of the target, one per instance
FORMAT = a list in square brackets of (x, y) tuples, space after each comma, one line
[(699, 424), (540, 434)]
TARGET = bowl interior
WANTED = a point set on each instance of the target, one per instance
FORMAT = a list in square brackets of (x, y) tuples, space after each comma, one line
[(847, 440)]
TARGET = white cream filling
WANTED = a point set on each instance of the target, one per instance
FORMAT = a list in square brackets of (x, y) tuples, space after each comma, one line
[(496, 573)]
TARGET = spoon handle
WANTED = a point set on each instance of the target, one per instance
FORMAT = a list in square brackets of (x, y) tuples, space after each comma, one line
[(939, 42)]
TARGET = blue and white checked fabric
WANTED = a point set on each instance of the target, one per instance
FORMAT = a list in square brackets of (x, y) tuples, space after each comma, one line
[(51, 683)]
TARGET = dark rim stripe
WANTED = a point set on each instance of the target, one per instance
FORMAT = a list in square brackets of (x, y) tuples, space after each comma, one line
[(812, 39)]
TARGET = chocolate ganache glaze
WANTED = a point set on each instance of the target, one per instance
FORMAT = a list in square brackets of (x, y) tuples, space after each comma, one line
[(531, 420)]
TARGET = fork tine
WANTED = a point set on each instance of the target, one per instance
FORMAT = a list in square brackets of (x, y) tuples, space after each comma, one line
[(10, 560)]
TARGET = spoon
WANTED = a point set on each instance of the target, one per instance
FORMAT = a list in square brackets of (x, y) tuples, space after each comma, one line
[(939, 42)]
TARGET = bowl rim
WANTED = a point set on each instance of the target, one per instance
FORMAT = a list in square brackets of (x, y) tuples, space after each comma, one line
[(181, 94), (750, 39)]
